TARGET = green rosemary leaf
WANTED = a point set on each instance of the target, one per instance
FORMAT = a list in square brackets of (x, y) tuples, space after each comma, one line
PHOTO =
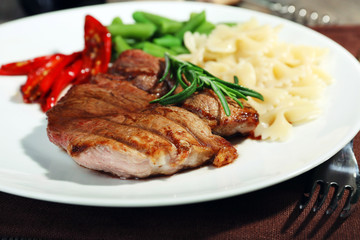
[(193, 78), (244, 90), (234, 92), (179, 76), (206, 81), (236, 80), (167, 94), (222, 98), (238, 101), (180, 96), (167, 68)]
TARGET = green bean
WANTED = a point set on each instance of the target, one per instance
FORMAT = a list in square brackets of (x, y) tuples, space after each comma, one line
[(154, 18), (116, 20), (179, 49), (138, 45), (136, 31), (169, 27), (156, 50), (192, 24), (165, 25), (139, 17), (130, 41), (205, 28), (120, 44), (167, 41)]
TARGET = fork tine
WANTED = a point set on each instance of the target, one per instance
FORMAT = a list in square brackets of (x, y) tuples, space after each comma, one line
[(352, 199), (307, 195), (335, 199), (323, 192)]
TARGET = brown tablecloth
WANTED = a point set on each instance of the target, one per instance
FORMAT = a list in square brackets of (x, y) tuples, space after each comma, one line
[(271, 213)]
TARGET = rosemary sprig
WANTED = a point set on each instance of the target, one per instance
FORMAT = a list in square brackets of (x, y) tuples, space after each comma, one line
[(193, 78)]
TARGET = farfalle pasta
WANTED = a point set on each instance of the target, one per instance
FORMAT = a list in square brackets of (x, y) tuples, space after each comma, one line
[(288, 76)]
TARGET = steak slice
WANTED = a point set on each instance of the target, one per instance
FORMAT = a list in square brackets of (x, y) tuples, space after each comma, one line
[(104, 98), (142, 69), (207, 106), (109, 126)]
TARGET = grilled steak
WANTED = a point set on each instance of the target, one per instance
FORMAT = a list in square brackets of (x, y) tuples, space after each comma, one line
[(110, 126)]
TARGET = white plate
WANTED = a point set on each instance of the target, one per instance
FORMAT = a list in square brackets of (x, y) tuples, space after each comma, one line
[(33, 167)]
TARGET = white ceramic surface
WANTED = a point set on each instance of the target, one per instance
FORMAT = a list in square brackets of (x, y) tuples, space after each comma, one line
[(31, 166)]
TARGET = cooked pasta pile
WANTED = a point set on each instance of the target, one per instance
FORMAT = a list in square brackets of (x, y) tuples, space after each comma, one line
[(288, 76)]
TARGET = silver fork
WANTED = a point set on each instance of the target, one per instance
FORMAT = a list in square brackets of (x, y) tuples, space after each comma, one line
[(341, 172), (292, 12)]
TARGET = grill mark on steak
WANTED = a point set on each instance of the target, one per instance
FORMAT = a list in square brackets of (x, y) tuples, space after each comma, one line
[(92, 100), (77, 149), (177, 134), (164, 127), (144, 141), (82, 140), (120, 94), (160, 153), (191, 122), (202, 132)]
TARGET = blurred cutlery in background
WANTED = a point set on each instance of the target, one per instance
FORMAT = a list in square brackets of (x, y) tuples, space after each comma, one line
[(310, 13), (294, 12)]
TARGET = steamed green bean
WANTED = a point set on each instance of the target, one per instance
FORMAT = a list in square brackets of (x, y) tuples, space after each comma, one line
[(120, 44), (192, 24), (156, 34), (156, 50), (164, 25), (136, 30), (168, 41)]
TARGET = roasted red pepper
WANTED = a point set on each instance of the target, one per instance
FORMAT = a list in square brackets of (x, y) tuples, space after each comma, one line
[(30, 90), (23, 67), (47, 76), (40, 81), (63, 80), (97, 53)]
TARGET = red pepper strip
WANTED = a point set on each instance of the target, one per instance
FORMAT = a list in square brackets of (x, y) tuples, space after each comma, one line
[(32, 84), (39, 82), (50, 79), (84, 74), (65, 78), (97, 51), (23, 67)]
